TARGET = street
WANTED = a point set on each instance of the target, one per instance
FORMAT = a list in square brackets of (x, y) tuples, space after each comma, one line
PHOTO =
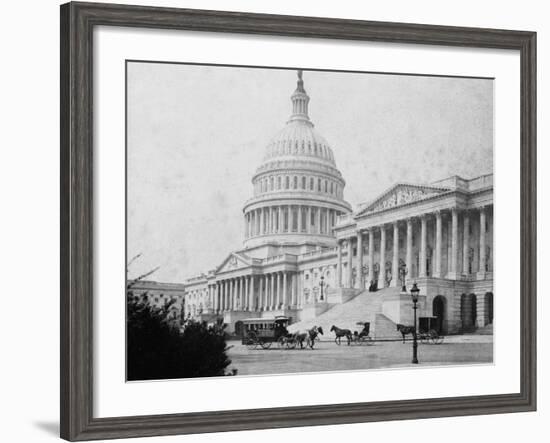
[(327, 356)]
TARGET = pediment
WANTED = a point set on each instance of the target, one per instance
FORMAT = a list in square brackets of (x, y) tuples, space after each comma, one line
[(233, 261), (399, 195)]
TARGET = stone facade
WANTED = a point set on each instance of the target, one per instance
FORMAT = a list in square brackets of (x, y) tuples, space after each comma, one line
[(159, 293), (305, 250)]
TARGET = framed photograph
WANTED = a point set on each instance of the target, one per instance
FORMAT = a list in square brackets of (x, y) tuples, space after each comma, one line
[(274, 221)]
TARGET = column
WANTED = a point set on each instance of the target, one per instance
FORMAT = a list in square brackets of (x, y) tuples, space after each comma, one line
[(482, 245), (260, 292), (294, 284), (319, 231), (216, 295), (285, 301), (290, 218), (308, 221), (250, 292), (246, 226), (422, 260), (299, 219), (371, 256), (240, 305), (359, 283), (408, 257), (280, 219), (232, 284), (339, 264), (381, 274), (245, 298), (270, 299), (438, 237), (395, 258), (454, 245), (277, 300), (350, 263), (224, 295), (466, 243)]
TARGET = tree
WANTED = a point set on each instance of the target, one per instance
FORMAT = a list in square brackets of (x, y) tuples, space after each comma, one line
[(158, 348)]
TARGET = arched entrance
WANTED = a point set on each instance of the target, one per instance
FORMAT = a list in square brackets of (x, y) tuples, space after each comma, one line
[(489, 308), (468, 312), (438, 309)]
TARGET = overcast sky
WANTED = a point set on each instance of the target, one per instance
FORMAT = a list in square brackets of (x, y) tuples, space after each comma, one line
[(196, 134)]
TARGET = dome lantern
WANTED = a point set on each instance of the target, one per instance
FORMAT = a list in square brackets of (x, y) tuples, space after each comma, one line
[(300, 101)]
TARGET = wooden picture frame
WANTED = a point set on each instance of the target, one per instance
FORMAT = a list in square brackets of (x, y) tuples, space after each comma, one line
[(77, 23)]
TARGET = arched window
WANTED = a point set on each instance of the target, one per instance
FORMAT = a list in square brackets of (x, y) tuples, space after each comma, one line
[(279, 182), (295, 182), (319, 185), (271, 183), (303, 183), (311, 183), (287, 182), (326, 186)]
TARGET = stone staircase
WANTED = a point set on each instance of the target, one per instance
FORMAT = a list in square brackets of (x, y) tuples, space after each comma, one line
[(365, 307)]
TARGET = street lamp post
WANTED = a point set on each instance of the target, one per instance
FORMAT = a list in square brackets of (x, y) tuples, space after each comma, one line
[(321, 284), (414, 294)]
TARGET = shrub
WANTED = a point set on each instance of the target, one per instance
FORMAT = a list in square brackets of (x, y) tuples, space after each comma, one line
[(158, 348)]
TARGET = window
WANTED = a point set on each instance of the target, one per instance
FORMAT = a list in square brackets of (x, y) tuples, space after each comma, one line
[(287, 182), (278, 182), (319, 184), (326, 186), (311, 183), (271, 183), (331, 188), (303, 183), (295, 182)]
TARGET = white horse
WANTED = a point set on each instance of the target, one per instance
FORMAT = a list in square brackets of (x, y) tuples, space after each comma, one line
[(307, 335)]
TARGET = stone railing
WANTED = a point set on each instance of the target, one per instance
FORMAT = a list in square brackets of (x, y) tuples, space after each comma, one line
[(344, 219), (279, 258), (318, 253)]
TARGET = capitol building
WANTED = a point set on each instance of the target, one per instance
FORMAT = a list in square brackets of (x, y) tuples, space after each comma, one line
[(308, 255)]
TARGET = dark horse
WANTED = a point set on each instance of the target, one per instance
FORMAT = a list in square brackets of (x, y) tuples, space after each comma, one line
[(308, 335), (405, 330), (341, 333)]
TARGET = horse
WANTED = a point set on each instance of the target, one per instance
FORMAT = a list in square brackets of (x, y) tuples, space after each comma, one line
[(307, 335), (341, 333), (405, 330)]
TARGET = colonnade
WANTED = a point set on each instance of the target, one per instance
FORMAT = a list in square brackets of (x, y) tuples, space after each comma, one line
[(455, 270), (290, 218), (266, 292)]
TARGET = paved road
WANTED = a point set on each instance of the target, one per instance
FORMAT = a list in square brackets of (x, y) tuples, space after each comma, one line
[(327, 356)]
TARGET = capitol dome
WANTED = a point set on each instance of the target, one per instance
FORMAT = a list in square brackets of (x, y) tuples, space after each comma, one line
[(298, 190)]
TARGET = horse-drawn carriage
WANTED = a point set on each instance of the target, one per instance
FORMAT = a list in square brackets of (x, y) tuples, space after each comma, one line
[(362, 337), (263, 332), (358, 338), (428, 328)]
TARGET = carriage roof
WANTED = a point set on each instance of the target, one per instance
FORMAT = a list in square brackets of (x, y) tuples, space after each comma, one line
[(265, 320)]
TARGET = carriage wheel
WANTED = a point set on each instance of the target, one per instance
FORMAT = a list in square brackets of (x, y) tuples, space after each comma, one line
[(366, 340), (434, 337), (291, 344), (282, 342), (251, 341), (424, 338), (265, 344)]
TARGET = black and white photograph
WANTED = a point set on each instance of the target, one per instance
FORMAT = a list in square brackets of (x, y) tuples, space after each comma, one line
[(288, 220)]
